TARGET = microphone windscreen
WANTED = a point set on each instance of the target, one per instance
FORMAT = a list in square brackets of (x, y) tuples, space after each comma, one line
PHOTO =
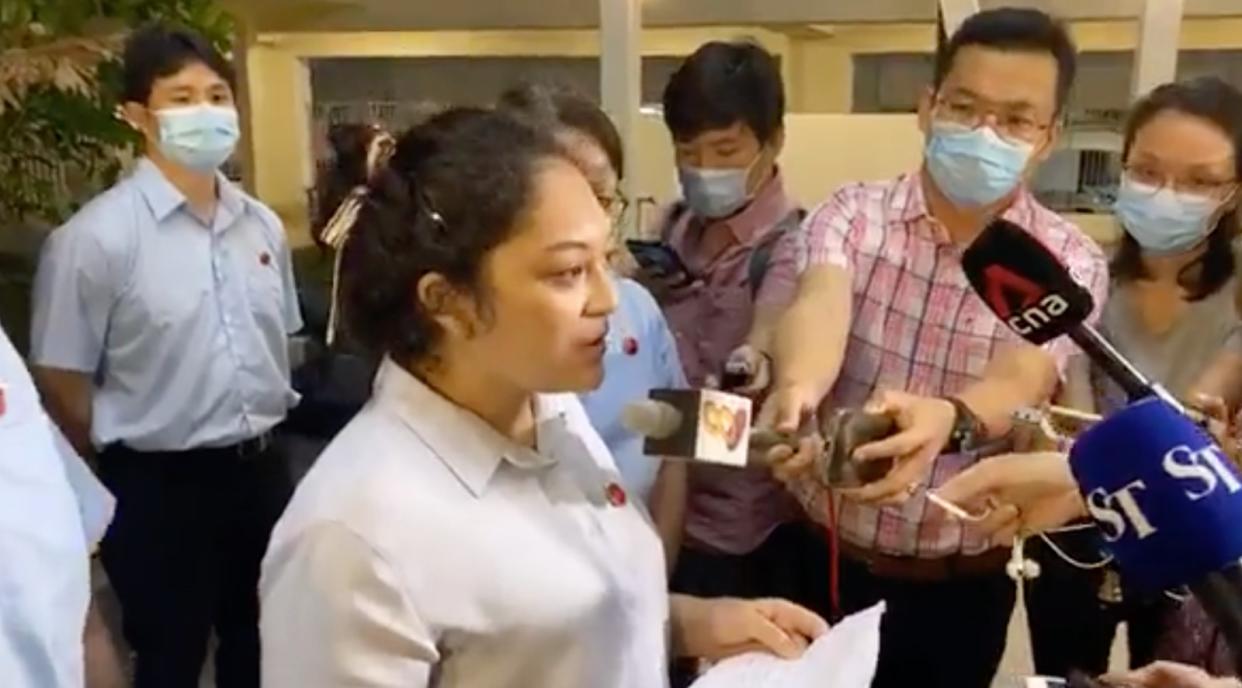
[(1167, 500), (1024, 283), (650, 418)]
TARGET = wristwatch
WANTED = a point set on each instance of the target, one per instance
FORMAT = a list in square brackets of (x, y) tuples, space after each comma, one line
[(967, 428)]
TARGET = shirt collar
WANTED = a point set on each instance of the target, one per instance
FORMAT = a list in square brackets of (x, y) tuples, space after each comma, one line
[(164, 199), (769, 206), (909, 203), (465, 443)]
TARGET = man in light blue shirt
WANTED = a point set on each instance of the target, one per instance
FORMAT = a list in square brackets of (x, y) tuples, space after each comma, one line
[(52, 512), (162, 315), (641, 355)]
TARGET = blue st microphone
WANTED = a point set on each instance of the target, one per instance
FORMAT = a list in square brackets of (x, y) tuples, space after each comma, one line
[(1168, 504)]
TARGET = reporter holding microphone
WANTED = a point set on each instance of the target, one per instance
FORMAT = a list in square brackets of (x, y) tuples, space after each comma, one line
[(468, 527), (1025, 494)]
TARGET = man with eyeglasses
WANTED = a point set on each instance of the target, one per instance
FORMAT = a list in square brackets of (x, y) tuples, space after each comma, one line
[(885, 316)]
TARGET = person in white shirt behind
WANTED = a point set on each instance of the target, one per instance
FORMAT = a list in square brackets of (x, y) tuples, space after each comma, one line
[(468, 527), (52, 513)]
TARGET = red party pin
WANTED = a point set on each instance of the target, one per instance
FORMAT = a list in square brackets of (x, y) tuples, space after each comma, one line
[(616, 494), (629, 345), (265, 258)]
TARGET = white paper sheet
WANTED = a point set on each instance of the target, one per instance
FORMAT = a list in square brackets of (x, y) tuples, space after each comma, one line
[(844, 657)]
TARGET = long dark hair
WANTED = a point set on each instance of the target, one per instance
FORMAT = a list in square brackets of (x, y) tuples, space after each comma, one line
[(1215, 101)]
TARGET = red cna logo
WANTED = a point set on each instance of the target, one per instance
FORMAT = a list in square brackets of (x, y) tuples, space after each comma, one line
[(1002, 286)]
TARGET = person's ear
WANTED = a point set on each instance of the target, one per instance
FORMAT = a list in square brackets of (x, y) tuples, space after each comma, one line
[(926, 104), (1232, 201), (455, 311), (1050, 144), (137, 116), (777, 143)]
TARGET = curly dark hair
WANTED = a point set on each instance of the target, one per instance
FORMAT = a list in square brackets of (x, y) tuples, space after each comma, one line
[(453, 191), (1215, 101)]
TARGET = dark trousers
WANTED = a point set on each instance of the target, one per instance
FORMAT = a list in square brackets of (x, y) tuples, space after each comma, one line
[(792, 564), (183, 555), (1071, 627), (946, 633)]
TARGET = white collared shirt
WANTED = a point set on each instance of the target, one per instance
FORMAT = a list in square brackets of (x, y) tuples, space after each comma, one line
[(183, 324), (424, 548), (52, 511)]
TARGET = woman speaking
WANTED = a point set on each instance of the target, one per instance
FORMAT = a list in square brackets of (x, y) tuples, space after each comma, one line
[(468, 527)]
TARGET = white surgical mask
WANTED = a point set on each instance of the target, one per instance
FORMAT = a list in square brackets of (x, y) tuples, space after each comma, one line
[(200, 137), (1161, 220), (974, 167), (716, 193)]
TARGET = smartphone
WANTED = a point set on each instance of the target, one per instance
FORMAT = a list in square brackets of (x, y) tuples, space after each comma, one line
[(659, 259)]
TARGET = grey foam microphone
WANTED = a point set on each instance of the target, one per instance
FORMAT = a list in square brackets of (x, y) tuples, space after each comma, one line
[(702, 425), (650, 418)]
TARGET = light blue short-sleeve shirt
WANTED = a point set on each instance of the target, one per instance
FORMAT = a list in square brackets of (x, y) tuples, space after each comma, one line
[(183, 324), (52, 510), (641, 355)]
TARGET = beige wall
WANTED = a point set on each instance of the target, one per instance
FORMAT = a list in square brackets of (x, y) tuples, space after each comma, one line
[(817, 67), (279, 141), (822, 152)]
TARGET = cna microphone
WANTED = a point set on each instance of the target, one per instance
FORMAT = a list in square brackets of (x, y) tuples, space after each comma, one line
[(1024, 284), (690, 424), (702, 425), (1168, 504)]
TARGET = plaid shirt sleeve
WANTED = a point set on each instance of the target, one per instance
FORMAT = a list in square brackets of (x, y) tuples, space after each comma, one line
[(1087, 265), (826, 231)]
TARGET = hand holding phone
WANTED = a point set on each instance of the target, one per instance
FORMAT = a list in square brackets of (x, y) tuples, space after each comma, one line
[(659, 260)]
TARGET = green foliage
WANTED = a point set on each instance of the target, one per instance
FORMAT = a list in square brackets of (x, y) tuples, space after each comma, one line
[(61, 141), (59, 86)]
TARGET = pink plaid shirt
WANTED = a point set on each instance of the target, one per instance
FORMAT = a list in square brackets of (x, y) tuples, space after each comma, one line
[(918, 327), (731, 510)]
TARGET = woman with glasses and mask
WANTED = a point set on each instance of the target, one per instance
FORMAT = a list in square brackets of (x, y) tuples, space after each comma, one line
[(1172, 311), (640, 353), (468, 527)]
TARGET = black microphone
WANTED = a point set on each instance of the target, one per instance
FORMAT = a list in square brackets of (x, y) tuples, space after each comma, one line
[(1165, 497), (1034, 294)]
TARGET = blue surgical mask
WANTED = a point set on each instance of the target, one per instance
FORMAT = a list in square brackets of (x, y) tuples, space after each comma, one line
[(1161, 220), (974, 167), (200, 137), (715, 193)]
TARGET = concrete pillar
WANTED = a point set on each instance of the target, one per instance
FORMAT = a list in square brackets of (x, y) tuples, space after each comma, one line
[(621, 74), (1155, 58), (954, 12), (243, 37)]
